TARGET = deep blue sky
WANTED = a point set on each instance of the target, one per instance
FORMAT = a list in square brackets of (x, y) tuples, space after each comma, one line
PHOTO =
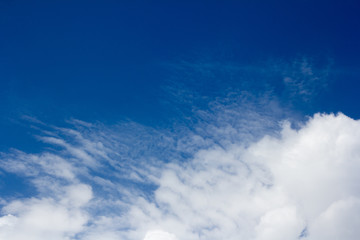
[(110, 60), (169, 82)]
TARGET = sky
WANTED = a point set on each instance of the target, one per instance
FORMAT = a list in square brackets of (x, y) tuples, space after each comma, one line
[(179, 120)]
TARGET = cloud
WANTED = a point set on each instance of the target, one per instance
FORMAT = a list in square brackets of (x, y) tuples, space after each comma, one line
[(159, 235), (278, 188), (46, 218), (303, 79), (216, 181), (295, 81)]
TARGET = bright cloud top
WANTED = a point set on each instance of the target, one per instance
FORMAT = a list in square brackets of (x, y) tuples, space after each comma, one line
[(159, 235), (297, 184)]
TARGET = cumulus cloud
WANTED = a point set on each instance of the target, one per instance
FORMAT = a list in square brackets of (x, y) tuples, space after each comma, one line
[(46, 218), (289, 184), (304, 181)]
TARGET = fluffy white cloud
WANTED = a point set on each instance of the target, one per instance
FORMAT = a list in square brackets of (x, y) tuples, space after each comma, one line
[(303, 183), (300, 183), (46, 218)]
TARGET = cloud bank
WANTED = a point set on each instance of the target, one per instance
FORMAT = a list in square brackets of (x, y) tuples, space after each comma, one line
[(296, 184), (239, 165), (303, 184)]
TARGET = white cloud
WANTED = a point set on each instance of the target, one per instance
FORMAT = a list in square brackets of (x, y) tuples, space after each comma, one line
[(159, 235), (272, 190), (46, 218), (293, 184), (281, 223), (339, 221)]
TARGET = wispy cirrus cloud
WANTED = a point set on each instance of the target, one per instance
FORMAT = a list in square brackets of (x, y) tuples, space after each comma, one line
[(292, 82)]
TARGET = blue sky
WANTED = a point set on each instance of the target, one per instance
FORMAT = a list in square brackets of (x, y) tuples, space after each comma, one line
[(111, 98)]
